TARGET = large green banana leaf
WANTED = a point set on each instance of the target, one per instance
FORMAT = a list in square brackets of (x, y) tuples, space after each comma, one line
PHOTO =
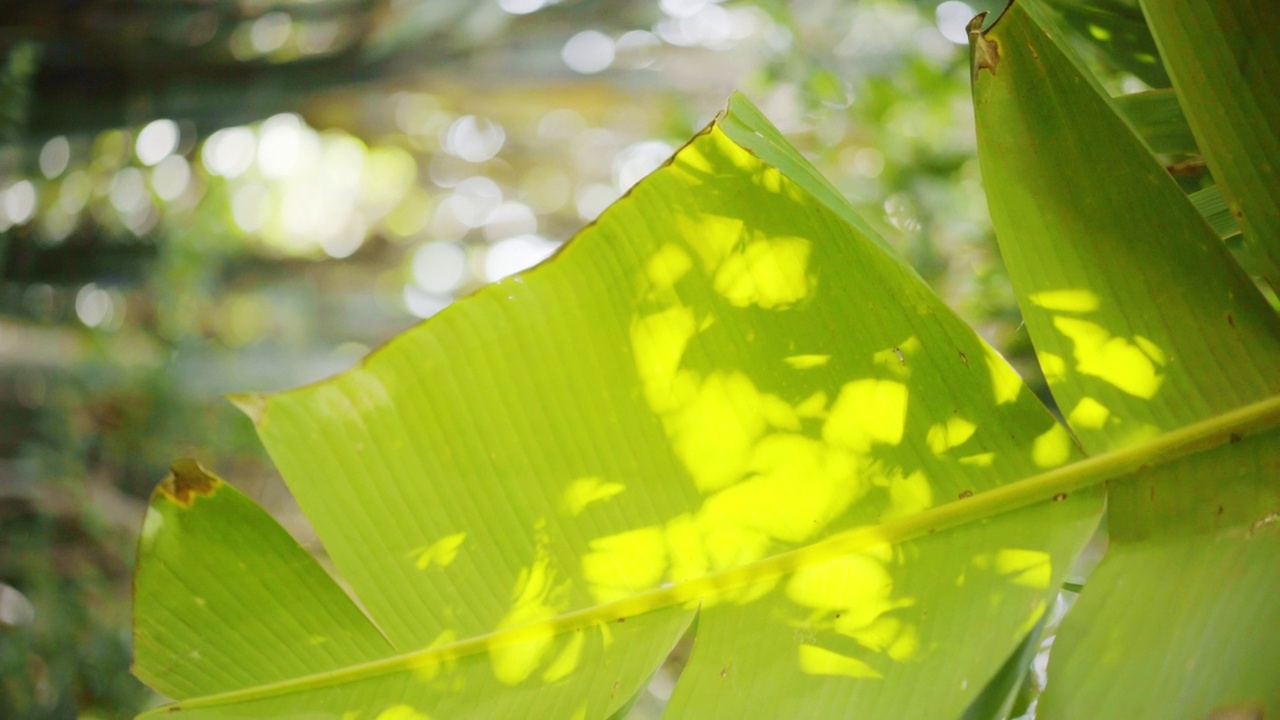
[(550, 480), (1142, 322), (726, 410)]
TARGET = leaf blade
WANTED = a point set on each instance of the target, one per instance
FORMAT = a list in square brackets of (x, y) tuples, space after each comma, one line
[(1222, 57), (215, 573), (1192, 569), (1087, 260)]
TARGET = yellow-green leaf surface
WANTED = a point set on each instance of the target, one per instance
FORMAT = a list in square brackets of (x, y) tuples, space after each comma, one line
[(1143, 323), (1224, 59), (726, 398), (1141, 319), (226, 599)]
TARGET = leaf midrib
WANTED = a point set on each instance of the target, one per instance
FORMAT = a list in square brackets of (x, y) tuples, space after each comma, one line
[(1053, 484)]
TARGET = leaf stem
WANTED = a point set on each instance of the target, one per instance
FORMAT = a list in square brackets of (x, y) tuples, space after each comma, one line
[(1052, 485)]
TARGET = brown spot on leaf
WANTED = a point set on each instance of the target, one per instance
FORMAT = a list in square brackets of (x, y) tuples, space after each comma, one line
[(1230, 320), (966, 494), (963, 358), (984, 52), (724, 672), (1188, 167), (1059, 497), (1234, 438), (186, 480)]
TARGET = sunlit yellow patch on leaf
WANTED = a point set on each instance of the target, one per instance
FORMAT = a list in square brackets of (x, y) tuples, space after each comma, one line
[(402, 712), (867, 411), (768, 273), (815, 660), (1029, 568), (1066, 300), (585, 491), (711, 237), (795, 487), (442, 552), (896, 359), (888, 635), (1152, 350), (1053, 367), (567, 661), (658, 342), (713, 432), (618, 566), (979, 460), (1133, 432), (814, 406), (536, 598), (770, 178), (908, 496), (685, 548), (1112, 359), (667, 266), (428, 667), (1051, 448), (1005, 383), (804, 362), (731, 545), (1088, 413), (946, 435), (852, 581)]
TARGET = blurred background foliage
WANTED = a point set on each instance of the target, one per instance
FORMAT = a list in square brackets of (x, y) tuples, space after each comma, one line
[(206, 196)]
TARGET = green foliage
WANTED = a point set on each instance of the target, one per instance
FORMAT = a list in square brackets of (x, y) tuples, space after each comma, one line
[(729, 410)]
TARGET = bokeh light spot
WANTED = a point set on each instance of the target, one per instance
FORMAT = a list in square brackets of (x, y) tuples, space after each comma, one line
[(588, 52), (156, 141)]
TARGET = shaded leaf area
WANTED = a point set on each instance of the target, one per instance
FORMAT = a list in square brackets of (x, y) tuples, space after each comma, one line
[(1116, 33), (1223, 58), (1191, 578), (546, 482), (1002, 696), (1213, 207), (1143, 323), (1156, 117)]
